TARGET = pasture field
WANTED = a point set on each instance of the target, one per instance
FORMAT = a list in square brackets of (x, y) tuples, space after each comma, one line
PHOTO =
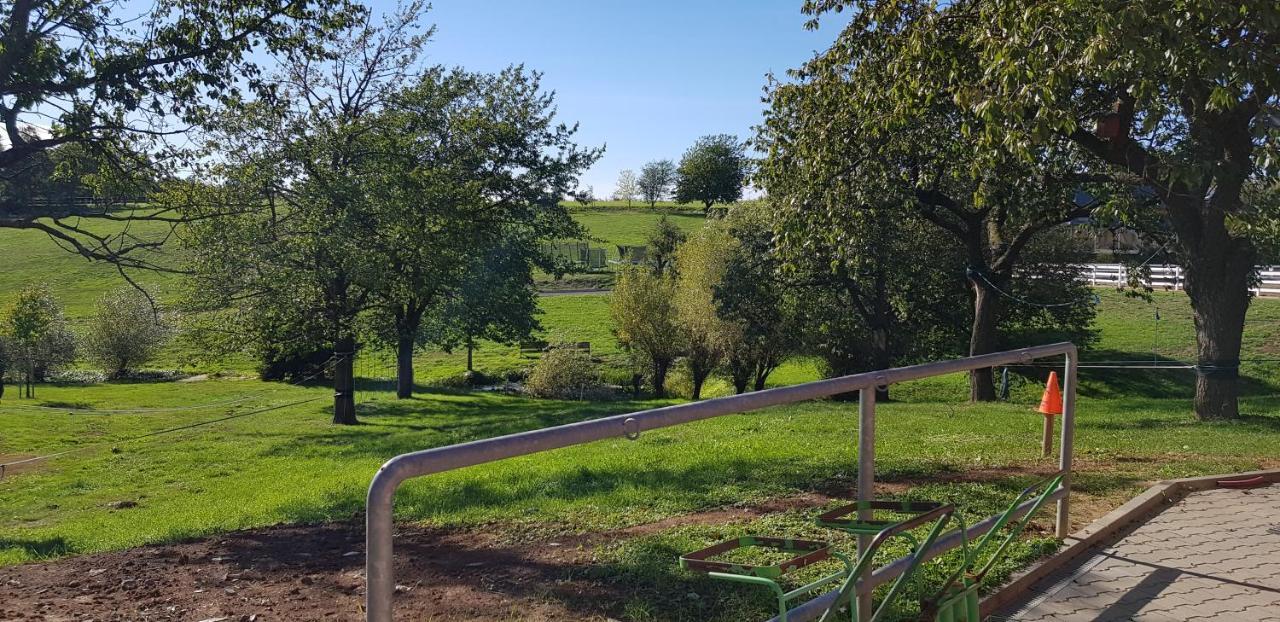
[(287, 464)]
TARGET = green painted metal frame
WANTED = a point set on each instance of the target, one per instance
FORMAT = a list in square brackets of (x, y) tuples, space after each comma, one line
[(808, 552), (957, 600), (925, 512)]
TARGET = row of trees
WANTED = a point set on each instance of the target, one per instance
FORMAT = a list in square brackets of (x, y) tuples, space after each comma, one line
[(330, 189), (382, 201), (35, 340), (713, 170), (738, 300)]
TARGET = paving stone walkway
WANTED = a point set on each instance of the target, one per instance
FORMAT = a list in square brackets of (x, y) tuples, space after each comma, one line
[(1214, 555)]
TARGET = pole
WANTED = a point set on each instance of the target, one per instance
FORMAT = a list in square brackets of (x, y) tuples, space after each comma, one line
[(1046, 440), (866, 481), (1067, 442)]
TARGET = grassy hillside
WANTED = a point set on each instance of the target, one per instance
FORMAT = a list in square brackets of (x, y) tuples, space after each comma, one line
[(32, 257)]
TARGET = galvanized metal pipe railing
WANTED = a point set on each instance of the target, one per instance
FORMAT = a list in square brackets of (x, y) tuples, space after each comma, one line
[(380, 579)]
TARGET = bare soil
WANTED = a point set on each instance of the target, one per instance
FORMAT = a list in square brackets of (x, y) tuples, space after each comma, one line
[(316, 572)]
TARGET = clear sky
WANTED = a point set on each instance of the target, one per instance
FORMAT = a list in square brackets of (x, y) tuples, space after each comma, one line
[(644, 78)]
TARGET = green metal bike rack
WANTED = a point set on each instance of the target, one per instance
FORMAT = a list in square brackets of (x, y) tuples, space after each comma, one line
[(805, 553), (923, 513), (957, 600)]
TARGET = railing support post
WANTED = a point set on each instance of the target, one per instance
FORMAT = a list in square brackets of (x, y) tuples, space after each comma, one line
[(1063, 519), (866, 481)]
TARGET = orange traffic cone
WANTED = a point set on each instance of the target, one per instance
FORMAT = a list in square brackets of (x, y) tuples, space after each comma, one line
[(1051, 403)]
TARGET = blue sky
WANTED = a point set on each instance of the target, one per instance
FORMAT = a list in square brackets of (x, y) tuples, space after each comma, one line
[(645, 78)]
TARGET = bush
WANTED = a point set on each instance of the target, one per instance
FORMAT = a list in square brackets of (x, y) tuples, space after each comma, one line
[(126, 332), (466, 380), (565, 373)]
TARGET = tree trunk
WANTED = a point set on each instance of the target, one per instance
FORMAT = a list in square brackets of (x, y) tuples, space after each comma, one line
[(1218, 285), (404, 366), (344, 403), (471, 346), (740, 373), (660, 378), (982, 340), (408, 318)]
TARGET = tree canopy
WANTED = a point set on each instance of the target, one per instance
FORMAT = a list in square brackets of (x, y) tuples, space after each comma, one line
[(712, 171), (1176, 100), (79, 81), (656, 180)]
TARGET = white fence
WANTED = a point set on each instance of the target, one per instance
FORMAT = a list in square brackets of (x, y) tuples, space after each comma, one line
[(1171, 278)]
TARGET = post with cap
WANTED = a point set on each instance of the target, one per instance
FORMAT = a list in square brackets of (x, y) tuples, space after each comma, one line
[(1050, 405)]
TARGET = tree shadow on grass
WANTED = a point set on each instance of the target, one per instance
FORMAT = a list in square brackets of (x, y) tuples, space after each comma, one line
[(1132, 379), (1244, 422), (39, 548), (401, 426)]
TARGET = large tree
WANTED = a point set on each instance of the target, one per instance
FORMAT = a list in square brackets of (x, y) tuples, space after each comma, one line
[(1175, 98), (851, 138), (105, 84), (311, 164), (712, 171), (756, 299), (470, 193)]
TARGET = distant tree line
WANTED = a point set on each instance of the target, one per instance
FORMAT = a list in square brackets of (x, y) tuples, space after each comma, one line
[(713, 171)]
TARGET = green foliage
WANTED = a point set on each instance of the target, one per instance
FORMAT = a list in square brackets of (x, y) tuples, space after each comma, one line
[(662, 244), (702, 262), (37, 334), (712, 171), (753, 296), (565, 373), (657, 178), (91, 99), (464, 210), (1170, 100), (645, 322), (126, 332), (858, 163)]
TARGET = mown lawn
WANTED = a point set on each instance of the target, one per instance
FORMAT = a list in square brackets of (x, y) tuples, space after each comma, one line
[(291, 465)]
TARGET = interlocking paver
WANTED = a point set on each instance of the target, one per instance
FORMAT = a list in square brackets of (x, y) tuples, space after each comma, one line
[(1208, 557)]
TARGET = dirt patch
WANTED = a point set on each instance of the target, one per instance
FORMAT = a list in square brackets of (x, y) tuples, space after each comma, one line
[(317, 572), (305, 573), (14, 464)]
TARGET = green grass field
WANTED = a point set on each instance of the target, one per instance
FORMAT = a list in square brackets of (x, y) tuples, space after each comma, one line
[(281, 461)]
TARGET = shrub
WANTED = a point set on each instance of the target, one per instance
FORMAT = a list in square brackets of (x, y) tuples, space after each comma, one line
[(565, 373), (126, 332)]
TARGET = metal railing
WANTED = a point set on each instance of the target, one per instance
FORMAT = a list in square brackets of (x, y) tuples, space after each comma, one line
[(379, 573)]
